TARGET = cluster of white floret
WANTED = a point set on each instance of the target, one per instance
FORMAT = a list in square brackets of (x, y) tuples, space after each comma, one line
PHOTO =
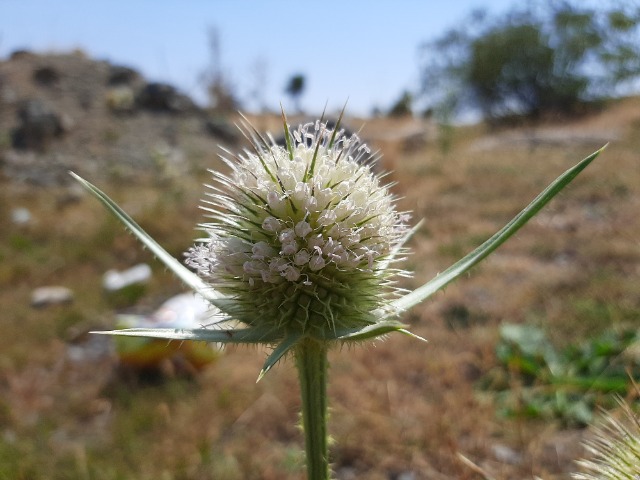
[(312, 210)]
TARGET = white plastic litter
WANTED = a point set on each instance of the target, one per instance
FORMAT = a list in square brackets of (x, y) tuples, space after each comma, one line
[(186, 310)]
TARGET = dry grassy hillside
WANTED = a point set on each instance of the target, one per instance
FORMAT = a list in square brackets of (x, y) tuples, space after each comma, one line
[(400, 409)]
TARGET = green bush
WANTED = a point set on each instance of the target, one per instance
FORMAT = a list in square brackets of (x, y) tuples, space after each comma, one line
[(553, 57)]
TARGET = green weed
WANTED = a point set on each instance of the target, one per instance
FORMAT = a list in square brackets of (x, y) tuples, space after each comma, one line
[(534, 379)]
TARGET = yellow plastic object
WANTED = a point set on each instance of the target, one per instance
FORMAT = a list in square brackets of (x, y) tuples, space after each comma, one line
[(182, 311)]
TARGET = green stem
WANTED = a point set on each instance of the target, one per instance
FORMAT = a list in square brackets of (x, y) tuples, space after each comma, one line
[(311, 360)]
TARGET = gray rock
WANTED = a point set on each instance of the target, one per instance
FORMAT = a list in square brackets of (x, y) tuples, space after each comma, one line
[(91, 348), (223, 130), (406, 476), (120, 75), (38, 126), (46, 76), (506, 454), (121, 99), (114, 280), (20, 216), (52, 295), (162, 97)]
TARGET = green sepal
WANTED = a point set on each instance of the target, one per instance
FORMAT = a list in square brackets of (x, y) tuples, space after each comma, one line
[(465, 264), (183, 273), (283, 347), (240, 335)]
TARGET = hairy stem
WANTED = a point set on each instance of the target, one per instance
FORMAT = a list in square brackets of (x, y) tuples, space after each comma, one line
[(311, 360)]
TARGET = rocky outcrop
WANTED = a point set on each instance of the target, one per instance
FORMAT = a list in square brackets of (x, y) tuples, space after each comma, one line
[(38, 126), (161, 97), (61, 112)]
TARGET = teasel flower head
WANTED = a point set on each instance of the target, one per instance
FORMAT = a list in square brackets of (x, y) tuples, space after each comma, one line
[(302, 239), (614, 448)]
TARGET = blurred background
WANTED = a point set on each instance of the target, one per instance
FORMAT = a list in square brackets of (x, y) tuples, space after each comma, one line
[(373, 55), (362, 51), (475, 106)]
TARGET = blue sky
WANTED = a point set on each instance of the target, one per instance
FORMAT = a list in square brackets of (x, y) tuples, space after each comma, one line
[(366, 51)]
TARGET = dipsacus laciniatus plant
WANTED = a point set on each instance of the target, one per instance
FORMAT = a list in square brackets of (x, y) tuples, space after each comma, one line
[(300, 252)]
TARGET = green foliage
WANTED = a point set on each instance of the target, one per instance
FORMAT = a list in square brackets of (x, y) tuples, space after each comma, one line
[(66, 320), (551, 57), (402, 106), (20, 242), (126, 296), (514, 65), (295, 88), (566, 384)]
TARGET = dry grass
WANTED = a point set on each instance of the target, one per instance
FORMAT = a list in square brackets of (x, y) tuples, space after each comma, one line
[(399, 407)]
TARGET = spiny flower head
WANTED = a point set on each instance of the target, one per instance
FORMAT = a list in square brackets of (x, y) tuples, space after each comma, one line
[(615, 448), (301, 236)]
